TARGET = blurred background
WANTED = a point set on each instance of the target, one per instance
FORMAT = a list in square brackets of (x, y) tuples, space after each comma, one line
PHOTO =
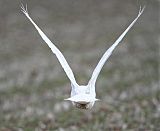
[(33, 85)]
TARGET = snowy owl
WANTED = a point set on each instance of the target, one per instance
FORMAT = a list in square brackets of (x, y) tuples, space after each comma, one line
[(82, 96)]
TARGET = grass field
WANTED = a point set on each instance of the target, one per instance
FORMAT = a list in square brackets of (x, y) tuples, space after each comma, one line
[(33, 85)]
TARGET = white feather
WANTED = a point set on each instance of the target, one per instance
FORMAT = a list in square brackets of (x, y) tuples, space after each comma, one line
[(54, 49), (82, 97), (110, 50)]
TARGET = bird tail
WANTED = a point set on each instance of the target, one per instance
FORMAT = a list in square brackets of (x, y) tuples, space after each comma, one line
[(82, 98)]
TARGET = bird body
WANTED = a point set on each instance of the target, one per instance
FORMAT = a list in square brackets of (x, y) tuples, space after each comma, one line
[(82, 96)]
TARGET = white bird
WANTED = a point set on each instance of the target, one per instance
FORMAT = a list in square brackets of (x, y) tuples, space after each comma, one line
[(82, 96)]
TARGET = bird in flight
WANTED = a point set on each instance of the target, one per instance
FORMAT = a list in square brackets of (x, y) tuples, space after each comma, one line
[(82, 96)]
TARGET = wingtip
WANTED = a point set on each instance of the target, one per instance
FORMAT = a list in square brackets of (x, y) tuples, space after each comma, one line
[(141, 9), (24, 9)]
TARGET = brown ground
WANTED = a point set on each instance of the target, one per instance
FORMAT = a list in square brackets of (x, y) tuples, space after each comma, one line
[(33, 84)]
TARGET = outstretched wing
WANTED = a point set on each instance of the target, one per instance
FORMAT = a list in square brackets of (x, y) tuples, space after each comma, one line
[(110, 50), (54, 49)]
